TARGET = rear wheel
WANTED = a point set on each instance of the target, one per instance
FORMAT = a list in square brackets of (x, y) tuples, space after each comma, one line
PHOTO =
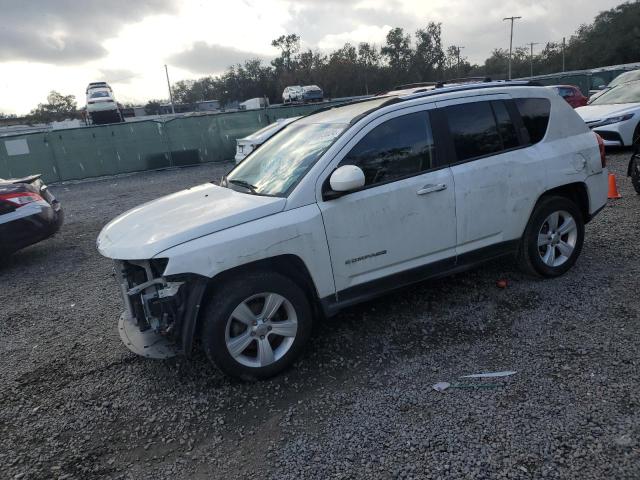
[(553, 238), (256, 325)]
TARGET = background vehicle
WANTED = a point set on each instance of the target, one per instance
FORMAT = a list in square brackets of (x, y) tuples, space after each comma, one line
[(312, 93), (589, 81), (292, 94), (246, 145), (254, 103), (625, 77), (97, 85), (102, 106), (615, 115), (29, 213), (351, 202), (572, 95)]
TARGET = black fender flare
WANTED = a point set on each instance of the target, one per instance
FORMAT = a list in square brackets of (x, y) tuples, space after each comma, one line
[(197, 288)]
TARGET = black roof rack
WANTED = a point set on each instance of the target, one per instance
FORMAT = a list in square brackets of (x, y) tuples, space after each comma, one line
[(414, 85), (469, 86), (466, 80)]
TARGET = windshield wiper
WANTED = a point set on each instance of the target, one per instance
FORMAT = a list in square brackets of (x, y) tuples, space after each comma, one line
[(244, 184)]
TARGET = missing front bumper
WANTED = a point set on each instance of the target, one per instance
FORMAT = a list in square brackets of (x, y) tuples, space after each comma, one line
[(146, 344), (161, 312)]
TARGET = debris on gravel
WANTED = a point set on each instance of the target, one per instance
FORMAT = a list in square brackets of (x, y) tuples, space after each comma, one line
[(76, 404)]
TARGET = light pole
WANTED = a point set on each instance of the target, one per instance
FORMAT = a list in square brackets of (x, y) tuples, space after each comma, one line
[(564, 44), (531, 59), (510, 42), (166, 70), (458, 48)]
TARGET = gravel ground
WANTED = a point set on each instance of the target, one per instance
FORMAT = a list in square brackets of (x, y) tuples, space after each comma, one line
[(75, 403)]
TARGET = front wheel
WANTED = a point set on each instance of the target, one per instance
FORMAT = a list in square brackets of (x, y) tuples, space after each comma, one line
[(256, 325), (553, 238)]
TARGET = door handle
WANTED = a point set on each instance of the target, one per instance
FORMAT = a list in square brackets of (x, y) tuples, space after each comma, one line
[(430, 188)]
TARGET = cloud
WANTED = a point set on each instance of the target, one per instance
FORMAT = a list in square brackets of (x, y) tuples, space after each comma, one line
[(65, 32), (316, 20), (364, 33), (117, 75), (204, 58)]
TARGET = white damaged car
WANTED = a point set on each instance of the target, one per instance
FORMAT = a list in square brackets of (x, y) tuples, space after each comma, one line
[(349, 203)]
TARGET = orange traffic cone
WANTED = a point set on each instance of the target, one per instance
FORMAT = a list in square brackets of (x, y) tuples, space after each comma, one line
[(613, 188)]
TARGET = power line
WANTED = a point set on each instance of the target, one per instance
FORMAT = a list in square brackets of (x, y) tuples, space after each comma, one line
[(511, 41)]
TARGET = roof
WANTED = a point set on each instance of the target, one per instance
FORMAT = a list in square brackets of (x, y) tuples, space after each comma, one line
[(349, 112)]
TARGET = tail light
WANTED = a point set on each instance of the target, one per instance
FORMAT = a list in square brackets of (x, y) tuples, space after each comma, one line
[(603, 155), (21, 198)]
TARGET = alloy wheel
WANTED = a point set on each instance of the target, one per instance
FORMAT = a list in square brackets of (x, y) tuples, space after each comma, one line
[(261, 329), (557, 238)]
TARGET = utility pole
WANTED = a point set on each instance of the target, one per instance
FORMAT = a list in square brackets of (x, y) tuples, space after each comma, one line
[(531, 59), (564, 44), (458, 48), (166, 70), (511, 41)]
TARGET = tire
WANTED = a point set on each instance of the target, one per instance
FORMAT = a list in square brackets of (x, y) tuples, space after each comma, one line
[(634, 172), (559, 246), (236, 317), (635, 140)]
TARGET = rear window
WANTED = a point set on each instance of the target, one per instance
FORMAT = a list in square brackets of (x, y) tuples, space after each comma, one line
[(481, 128), (535, 115)]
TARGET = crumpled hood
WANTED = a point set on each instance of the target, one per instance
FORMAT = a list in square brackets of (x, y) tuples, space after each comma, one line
[(153, 227), (591, 113)]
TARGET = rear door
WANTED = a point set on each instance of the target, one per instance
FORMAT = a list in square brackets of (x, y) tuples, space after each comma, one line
[(492, 172)]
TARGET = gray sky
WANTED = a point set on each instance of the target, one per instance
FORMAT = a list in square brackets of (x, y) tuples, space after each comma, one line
[(65, 44)]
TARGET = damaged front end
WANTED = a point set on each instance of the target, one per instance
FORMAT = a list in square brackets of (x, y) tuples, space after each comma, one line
[(160, 312)]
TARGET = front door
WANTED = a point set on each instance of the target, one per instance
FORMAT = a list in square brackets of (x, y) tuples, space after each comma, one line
[(403, 220)]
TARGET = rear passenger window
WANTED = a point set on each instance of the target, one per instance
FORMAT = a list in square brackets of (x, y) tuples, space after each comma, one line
[(397, 148), (474, 130), (535, 115)]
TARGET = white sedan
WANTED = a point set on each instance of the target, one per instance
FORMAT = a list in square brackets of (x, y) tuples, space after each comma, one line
[(246, 145), (615, 115)]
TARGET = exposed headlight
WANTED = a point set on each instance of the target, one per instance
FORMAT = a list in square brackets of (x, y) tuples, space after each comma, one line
[(610, 120)]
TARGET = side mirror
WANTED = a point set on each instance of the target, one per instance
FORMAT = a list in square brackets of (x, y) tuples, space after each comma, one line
[(347, 178)]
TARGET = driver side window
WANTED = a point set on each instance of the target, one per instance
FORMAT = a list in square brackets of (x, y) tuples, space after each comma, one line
[(398, 148)]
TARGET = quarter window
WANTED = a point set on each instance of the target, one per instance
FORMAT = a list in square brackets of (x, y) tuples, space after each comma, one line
[(400, 147), (535, 116)]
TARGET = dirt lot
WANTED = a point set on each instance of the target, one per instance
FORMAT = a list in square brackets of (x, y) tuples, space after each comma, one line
[(75, 403)]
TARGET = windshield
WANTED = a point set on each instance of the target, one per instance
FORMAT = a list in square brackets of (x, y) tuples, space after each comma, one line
[(625, 77), (268, 128), (99, 94), (283, 160), (625, 93)]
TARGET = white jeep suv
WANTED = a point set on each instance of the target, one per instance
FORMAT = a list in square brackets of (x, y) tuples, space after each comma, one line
[(348, 203)]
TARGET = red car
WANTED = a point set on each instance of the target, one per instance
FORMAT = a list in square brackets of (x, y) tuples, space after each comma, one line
[(571, 94)]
